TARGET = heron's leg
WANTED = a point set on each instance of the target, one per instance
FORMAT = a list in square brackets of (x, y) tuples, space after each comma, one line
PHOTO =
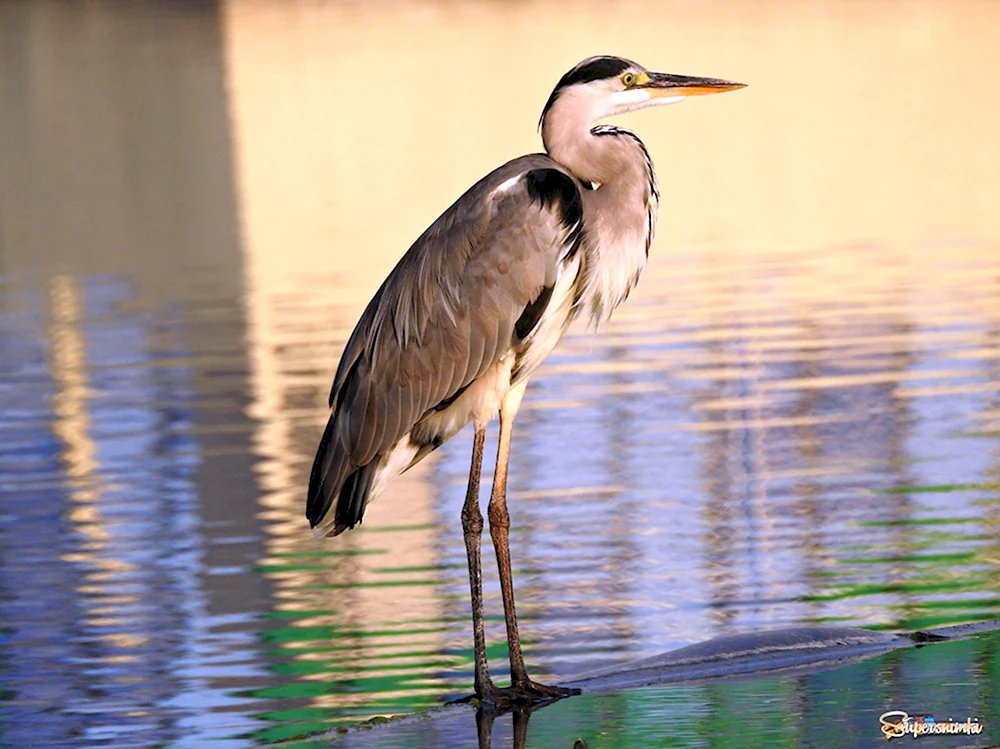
[(524, 689), (472, 527), (500, 533)]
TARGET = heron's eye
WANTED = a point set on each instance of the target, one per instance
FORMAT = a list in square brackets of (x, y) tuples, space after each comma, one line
[(628, 79)]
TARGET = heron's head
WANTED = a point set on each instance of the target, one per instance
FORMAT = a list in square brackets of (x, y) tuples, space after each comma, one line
[(603, 86)]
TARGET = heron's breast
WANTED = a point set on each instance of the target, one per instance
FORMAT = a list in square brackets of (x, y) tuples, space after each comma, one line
[(619, 226)]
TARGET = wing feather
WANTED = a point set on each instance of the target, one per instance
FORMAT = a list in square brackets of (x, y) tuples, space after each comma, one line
[(443, 316)]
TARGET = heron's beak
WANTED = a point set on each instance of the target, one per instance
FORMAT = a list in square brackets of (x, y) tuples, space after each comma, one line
[(675, 86)]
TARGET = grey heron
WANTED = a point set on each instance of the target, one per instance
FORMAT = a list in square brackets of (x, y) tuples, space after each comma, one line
[(477, 303)]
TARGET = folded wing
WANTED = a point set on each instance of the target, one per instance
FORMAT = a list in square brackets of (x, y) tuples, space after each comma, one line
[(468, 292)]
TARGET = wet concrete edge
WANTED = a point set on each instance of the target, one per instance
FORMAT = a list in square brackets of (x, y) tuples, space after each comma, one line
[(755, 655)]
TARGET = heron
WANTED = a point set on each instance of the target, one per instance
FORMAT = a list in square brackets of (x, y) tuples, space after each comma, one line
[(475, 305)]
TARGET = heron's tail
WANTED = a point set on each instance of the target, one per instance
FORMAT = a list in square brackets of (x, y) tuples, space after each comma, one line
[(338, 490)]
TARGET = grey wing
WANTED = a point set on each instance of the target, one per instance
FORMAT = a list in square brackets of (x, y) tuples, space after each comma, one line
[(467, 292)]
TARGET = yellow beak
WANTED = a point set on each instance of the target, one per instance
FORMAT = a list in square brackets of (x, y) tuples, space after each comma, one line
[(670, 84)]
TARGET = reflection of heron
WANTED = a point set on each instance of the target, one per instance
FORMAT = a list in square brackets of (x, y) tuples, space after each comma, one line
[(480, 299)]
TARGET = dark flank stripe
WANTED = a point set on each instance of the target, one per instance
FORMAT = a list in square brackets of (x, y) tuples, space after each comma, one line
[(532, 313), (450, 399), (550, 188)]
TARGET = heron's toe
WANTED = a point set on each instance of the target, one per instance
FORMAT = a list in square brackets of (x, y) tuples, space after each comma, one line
[(531, 692), (522, 694)]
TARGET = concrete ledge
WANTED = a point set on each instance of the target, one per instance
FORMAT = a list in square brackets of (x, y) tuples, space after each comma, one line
[(751, 655), (768, 654)]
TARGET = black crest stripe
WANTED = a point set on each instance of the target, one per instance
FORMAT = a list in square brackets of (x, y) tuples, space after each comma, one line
[(595, 69), (592, 69)]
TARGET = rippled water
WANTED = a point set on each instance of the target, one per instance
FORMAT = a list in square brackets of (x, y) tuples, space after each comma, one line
[(796, 418)]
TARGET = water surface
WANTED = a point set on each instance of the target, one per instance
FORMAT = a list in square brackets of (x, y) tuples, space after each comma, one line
[(795, 418)]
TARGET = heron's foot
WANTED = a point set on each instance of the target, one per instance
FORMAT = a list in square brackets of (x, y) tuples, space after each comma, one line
[(524, 693), (532, 691)]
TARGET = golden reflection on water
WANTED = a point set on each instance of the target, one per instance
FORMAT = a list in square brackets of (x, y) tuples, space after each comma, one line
[(842, 209), (72, 426)]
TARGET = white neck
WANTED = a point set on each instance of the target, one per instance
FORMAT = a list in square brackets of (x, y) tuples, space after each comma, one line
[(568, 140), (620, 215)]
